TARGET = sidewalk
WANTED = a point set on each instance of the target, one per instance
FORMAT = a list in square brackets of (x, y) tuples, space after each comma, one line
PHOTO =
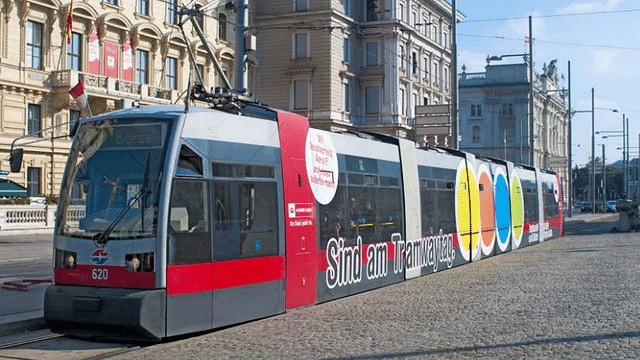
[(24, 257)]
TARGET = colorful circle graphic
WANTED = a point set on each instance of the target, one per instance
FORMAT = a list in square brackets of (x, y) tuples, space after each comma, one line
[(503, 209), (517, 209), (467, 211), (487, 213)]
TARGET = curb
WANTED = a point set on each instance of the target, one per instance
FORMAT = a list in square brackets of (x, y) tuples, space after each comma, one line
[(22, 326)]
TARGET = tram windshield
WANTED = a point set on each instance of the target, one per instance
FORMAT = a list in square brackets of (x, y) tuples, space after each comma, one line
[(113, 180)]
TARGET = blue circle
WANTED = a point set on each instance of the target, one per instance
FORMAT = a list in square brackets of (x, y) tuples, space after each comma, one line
[(503, 208)]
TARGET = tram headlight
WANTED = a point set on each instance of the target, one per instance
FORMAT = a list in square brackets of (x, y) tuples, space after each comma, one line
[(66, 259), (142, 262)]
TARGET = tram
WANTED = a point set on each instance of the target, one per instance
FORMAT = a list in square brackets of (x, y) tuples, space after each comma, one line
[(174, 220)]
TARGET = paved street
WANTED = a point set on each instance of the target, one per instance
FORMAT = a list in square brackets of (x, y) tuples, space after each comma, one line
[(575, 297), (25, 256)]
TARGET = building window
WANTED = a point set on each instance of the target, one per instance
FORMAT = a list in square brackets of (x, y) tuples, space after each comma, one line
[(74, 115), (222, 26), (434, 33), (435, 72), (74, 52), (143, 7), (401, 12), (221, 80), (34, 119), (403, 102), (372, 10), (345, 93), (425, 27), (200, 68), (345, 49), (142, 66), (347, 7), (426, 67), (372, 53), (445, 39), (445, 76), (300, 44), (300, 94), (172, 73), (507, 109), (33, 181), (425, 100), (414, 19), (476, 110), (475, 134), (34, 45), (172, 12), (199, 17), (402, 59), (414, 63), (301, 5), (372, 99), (507, 135), (111, 2)]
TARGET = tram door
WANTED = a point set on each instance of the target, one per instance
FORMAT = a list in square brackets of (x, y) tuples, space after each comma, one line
[(301, 240)]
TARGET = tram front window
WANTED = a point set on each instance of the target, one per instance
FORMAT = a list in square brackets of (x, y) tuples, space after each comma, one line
[(113, 180)]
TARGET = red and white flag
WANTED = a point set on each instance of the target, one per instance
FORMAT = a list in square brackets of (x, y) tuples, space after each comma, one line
[(80, 94)]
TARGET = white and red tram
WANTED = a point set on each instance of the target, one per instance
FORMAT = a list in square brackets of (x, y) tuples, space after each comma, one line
[(172, 222)]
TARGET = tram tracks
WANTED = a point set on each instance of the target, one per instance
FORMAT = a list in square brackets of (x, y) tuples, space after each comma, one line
[(55, 346)]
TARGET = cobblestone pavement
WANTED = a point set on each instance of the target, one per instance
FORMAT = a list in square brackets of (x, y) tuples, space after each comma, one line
[(575, 297)]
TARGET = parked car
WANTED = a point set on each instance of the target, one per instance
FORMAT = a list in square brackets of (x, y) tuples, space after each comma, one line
[(586, 207), (611, 206)]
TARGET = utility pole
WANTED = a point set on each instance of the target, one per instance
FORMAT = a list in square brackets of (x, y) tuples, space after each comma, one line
[(454, 64), (242, 64), (593, 153), (604, 182), (531, 120), (625, 171), (569, 149)]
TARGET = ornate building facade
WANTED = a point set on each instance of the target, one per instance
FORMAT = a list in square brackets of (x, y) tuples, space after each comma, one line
[(494, 115), (122, 50), (354, 64)]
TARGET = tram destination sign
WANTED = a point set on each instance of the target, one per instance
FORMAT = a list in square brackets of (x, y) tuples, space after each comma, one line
[(130, 136)]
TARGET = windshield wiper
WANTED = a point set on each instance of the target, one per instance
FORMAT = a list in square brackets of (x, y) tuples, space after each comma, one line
[(102, 238)]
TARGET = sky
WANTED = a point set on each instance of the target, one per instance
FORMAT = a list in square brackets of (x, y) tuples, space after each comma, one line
[(601, 38)]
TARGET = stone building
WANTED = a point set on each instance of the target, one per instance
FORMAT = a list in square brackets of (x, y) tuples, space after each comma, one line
[(354, 64), (494, 114), (123, 50)]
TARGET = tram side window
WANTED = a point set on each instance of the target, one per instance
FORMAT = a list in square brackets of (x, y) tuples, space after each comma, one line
[(245, 212), (530, 197), (189, 228), (333, 218), (549, 199), (189, 163), (437, 200)]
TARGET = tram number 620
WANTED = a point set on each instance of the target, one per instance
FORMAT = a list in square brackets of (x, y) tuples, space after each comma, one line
[(100, 274)]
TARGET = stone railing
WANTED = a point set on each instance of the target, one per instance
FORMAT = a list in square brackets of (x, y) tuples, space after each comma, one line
[(25, 219)]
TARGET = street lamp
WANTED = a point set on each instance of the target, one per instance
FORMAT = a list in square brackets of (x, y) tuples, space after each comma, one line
[(593, 146), (531, 121)]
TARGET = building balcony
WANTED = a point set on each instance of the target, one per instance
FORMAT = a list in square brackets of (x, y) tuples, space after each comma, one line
[(106, 87), (301, 112)]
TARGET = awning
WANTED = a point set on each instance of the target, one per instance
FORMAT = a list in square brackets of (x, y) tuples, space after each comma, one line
[(10, 189)]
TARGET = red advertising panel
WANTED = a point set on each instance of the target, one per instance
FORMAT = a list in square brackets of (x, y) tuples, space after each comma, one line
[(111, 59), (300, 224), (127, 61), (94, 53)]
